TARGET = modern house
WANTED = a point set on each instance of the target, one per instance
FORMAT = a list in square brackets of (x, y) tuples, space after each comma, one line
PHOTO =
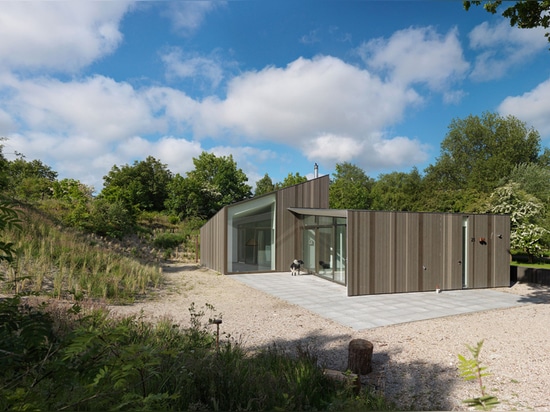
[(370, 252)]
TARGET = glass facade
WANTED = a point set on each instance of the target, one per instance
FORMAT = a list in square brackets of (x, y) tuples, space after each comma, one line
[(251, 236), (324, 246)]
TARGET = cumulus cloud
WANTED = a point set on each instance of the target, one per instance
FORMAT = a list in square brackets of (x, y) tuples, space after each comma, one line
[(248, 158), (304, 98), (6, 123), (417, 55), (61, 36), (370, 153), (194, 66), (187, 16), (97, 107), (501, 47), (532, 107)]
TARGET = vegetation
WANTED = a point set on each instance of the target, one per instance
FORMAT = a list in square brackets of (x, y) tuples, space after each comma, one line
[(63, 263), (471, 370), (351, 188), (525, 14), (482, 158), (59, 240), (81, 359)]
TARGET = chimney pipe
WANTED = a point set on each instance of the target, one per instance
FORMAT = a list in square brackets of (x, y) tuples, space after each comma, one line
[(316, 171)]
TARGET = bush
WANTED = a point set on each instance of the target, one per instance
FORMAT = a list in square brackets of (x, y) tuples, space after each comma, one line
[(168, 240), (85, 360)]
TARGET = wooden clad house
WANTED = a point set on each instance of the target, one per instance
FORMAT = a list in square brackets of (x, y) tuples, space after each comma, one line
[(370, 252)]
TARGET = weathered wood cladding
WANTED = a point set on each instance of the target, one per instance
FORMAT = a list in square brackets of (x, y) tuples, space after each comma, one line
[(310, 194), (490, 251), (214, 242), (391, 252), (288, 242)]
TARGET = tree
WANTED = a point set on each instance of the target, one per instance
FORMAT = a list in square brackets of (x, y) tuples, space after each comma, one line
[(350, 188), (525, 14), (214, 183), (532, 178), (30, 180), (479, 151), (264, 185), (142, 186), (524, 210), (397, 191), (76, 198), (291, 180)]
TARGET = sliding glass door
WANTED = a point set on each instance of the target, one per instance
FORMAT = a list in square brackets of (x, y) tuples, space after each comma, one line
[(324, 246)]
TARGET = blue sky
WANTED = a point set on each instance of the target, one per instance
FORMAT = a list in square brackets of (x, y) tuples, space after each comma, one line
[(279, 85)]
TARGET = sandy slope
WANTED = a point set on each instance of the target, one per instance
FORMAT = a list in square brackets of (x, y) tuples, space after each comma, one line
[(415, 364)]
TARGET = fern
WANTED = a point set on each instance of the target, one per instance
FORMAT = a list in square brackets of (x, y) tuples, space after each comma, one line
[(470, 370)]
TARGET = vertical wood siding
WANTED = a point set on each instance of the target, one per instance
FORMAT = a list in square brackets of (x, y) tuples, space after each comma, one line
[(391, 252), (214, 242), (288, 244), (288, 241), (388, 252)]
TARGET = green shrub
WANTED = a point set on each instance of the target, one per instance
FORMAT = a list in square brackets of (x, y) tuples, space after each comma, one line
[(85, 360), (168, 240)]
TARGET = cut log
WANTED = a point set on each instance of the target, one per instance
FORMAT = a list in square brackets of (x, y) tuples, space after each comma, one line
[(360, 356)]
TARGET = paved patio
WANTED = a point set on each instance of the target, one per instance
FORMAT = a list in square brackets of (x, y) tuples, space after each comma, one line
[(330, 300)]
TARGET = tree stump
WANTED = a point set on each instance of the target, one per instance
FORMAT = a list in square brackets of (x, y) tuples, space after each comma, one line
[(360, 356)]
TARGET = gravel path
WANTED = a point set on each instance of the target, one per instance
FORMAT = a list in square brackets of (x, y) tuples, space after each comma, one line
[(414, 364)]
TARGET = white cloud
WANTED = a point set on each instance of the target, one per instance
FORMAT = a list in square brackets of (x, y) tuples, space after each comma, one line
[(417, 55), (532, 107), (502, 47), (333, 148), (96, 107), (187, 16), (249, 159), (308, 97), (177, 153), (325, 108), (63, 36), (179, 65), (6, 123), (371, 152)]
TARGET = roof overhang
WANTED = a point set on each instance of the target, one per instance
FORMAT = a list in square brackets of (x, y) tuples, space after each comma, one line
[(319, 212)]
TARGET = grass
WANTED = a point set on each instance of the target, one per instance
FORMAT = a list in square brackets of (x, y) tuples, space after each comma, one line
[(63, 263), (519, 259), (81, 359)]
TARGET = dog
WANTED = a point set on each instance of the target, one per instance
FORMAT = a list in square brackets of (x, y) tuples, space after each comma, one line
[(295, 267)]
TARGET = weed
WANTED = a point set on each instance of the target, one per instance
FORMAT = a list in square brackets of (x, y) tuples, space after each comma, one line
[(470, 370)]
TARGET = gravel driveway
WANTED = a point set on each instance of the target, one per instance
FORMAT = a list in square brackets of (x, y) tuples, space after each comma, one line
[(414, 364)]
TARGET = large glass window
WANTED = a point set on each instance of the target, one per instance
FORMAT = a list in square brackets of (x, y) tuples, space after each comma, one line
[(251, 236), (324, 246)]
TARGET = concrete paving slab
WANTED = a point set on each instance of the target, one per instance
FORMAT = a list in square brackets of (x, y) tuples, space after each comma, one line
[(330, 300)]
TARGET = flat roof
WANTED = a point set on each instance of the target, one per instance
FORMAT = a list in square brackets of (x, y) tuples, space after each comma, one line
[(319, 212)]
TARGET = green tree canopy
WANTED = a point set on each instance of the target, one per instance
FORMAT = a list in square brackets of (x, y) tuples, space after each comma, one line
[(526, 213), (397, 191), (525, 14), (480, 151), (143, 186), (533, 178), (291, 180), (264, 185), (214, 183), (350, 188), (29, 180)]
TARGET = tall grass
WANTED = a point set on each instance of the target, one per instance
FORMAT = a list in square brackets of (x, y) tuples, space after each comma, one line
[(64, 263)]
